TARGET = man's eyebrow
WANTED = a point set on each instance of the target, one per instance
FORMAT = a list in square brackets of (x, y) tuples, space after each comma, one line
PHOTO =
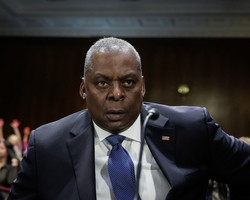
[(130, 75), (99, 75)]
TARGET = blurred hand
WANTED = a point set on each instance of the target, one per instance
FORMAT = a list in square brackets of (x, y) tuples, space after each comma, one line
[(15, 123), (14, 162), (26, 130), (1, 122)]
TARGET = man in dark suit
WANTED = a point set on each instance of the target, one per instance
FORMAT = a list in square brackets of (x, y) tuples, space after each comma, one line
[(70, 158)]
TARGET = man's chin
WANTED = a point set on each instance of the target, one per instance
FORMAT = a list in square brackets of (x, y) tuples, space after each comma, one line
[(117, 128)]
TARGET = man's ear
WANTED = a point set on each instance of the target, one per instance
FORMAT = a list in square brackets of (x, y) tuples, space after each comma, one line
[(82, 89), (143, 89)]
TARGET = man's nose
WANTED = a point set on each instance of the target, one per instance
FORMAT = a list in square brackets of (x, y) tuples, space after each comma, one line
[(116, 92)]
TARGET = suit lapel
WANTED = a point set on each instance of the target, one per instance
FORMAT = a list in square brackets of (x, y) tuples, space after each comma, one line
[(81, 148), (160, 137)]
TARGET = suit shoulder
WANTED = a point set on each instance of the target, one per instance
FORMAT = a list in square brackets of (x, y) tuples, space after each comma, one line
[(177, 110), (62, 125)]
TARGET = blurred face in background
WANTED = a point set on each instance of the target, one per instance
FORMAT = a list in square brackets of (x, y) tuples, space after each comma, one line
[(13, 139)]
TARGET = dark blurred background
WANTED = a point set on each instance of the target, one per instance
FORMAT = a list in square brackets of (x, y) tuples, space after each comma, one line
[(204, 47)]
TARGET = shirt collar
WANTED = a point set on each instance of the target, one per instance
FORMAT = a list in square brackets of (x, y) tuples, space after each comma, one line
[(133, 132)]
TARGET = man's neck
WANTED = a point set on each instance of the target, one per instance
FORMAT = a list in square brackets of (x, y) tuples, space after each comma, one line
[(130, 132)]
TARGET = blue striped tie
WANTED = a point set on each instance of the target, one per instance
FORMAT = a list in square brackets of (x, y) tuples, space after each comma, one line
[(121, 169)]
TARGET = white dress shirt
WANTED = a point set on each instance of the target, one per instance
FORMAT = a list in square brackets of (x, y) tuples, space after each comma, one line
[(153, 184)]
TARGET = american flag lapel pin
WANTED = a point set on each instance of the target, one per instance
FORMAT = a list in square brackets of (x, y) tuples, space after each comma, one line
[(166, 138)]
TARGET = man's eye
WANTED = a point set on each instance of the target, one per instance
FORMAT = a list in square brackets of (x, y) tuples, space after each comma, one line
[(128, 83), (102, 83)]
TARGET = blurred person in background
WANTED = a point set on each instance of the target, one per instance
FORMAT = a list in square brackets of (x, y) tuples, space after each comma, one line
[(245, 139), (8, 166), (19, 144), (16, 139)]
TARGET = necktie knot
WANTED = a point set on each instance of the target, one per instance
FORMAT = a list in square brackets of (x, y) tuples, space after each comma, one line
[(115, 139)]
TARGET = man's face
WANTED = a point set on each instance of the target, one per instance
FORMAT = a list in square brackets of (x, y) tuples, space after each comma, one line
[(114, 89)]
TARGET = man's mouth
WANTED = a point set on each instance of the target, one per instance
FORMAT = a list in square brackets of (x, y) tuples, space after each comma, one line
[(115, 115)]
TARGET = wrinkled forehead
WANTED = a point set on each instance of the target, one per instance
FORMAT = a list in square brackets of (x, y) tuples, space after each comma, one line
[(114, 63), (125, 57)]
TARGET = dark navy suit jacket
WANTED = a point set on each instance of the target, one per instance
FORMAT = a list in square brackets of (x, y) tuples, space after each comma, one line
[(186, 143)]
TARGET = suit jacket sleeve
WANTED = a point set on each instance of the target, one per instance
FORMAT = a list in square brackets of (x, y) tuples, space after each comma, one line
[(230, 160)]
